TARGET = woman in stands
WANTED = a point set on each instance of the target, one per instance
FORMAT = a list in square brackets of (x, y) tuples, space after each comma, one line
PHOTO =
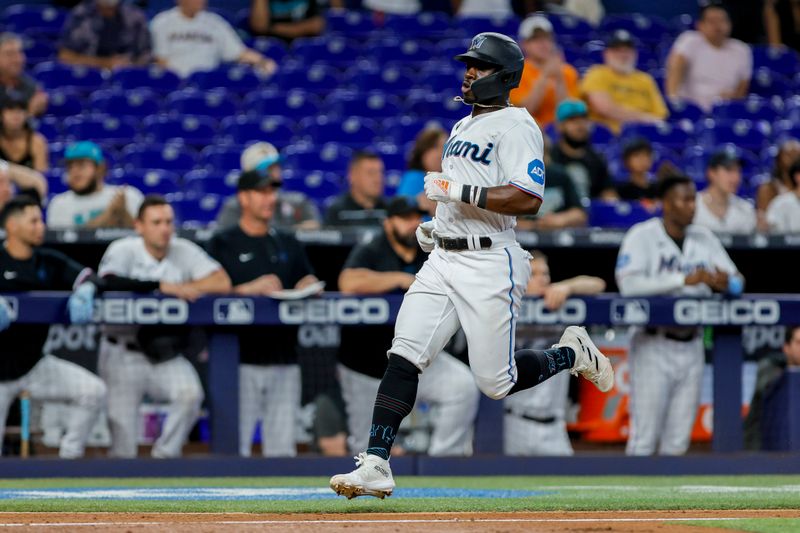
[(426, 156), (19, 143), (788, 153)]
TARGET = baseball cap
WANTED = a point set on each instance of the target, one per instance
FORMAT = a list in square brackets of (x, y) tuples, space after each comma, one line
[(250, 180), (13, 101), (529, 26), (401, 206), (621, 38), (724, 158), (568, 109), (260, 156), (84, 150), (635, 145)]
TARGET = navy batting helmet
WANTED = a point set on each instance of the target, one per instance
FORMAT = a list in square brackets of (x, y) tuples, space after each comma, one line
[(499, 51)]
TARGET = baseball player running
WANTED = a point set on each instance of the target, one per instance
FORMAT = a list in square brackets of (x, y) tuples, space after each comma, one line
[(670, 255), (135, 361), (476, 273), (26, 266)]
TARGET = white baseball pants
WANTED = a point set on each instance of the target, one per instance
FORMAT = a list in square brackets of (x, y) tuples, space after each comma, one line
[(270, 393), (54, 379), (130, 375)]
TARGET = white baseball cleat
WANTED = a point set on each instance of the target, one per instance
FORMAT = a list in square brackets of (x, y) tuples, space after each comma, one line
[(589, 362), (372, 477)]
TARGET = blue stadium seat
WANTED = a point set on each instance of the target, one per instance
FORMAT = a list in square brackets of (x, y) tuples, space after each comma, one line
[(276, 129), (753, 108), (195, 211), (475, 25), (217, 103), (18, 17), (152, 77), (331, 157), (767, 83), (64, 103), (271, 47), (393, 156), (318, 185), (331, 50), (148, 181), (174, 157), (442, 82), (427, 105), (195, 130), (646, 28), (38, 50), (236, 78), (199, 183), (316, 78), (617, 214), (449, 48), (391, 181), (350, 23), (56, 182), (56, 76), (426, 24), (784, 61), (742, 133), (669, 135), (106, 128), (404, 129), (695, 159), (786, 129), (352, 131), (570, 27), (50, 127), (294, 103), (684, 110), (221, 158), (390, 79), (133, 102), (398, 50), (373, 104)]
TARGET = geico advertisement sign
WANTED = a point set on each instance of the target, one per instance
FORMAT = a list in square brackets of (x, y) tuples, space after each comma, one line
[(142, 311), (338, 311), (535, 312), (726, 312)]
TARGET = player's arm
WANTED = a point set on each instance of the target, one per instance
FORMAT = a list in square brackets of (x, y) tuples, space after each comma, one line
[(366, 281), (676, 73)]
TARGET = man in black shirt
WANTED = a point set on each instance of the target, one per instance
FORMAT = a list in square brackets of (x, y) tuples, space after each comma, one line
[(287, 19), (587, 168), (260, 262), (364, 204), (25, 266), (388, 263)]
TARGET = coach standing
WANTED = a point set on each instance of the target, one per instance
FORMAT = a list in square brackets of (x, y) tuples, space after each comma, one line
[(26, 266), (261, 261), (135, 361)]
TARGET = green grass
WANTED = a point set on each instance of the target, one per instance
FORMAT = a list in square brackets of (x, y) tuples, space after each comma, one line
[(568, 493), (754, 525)]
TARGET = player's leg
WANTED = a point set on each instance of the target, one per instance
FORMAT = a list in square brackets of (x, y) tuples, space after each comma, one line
[(177, 382), (8, 391), (359, 392), (282, 411), (54, 379), (125, 374), (681, 411), (252, 403), (649, 365), (448, 384)]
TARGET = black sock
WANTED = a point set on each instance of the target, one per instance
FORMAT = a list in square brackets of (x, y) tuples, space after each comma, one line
[(396, 396), (535, 366)]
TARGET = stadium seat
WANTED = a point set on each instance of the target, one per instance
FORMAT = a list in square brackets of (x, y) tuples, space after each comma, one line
[(148, 181), (404, 129), (106, 128), (276, 129), (350, 23), (767, 83), (390, 79), (64, 103), (398, 50), (195, 130), (570, 27), (293, 104), (393, 156), (217, 103), (742, 133), (237, 78), (50, 127), (195, 211), (442, 82), (221, 158), (318, 185), (272, 47), (139, 102), (646, 28), (424, 105), (753, 108), (330, 50), (427, 24), (786, 129), (373, 104), (316, 78), (56, 76), (56, 181), (332, 157), (351, 131), (670, 135), (38, 50), (449, 48), (152, 77), (780, 60), (695, 159), (174, 157), (19, 17), (475, 25), (618, 214), (202, 182), (681, 110)]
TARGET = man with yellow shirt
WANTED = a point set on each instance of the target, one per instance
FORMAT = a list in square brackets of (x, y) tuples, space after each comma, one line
[(617, 92), (546, 79)]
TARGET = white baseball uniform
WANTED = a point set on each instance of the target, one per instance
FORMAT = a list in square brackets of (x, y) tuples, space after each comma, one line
[(128, 372), (783, 213), (70, 210), (740, 217), (478, 290), (666, 364)]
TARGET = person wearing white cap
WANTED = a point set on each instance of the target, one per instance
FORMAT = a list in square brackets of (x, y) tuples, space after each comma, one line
[(294, 209), (546, 79)]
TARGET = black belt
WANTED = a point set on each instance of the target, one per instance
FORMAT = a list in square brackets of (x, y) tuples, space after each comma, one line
[(541, 420), (458, 244), (671, 335), (132, 346)]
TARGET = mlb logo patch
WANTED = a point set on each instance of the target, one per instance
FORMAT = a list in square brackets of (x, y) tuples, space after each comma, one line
[(234, 311), (630, 312)]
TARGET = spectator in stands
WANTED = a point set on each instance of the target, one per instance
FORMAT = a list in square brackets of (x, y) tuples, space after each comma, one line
[(188, 39), (618, 93), (546, 79), (90, 202), (706, 66), (13, 80), (482, 8), (591, 11), (262, 261), (781, 182), (783, 214), (718, 207), (287, 20), (535, 422), (781, 22), (585, 165), (384, 265), (363, 204), (637, 158), (105, 34), (19, 143), (561, 206), (294, 209), (19, 180), (426, 156), (392, 7)]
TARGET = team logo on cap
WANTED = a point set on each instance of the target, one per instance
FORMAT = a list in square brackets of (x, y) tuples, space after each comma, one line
[(477, 42)]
